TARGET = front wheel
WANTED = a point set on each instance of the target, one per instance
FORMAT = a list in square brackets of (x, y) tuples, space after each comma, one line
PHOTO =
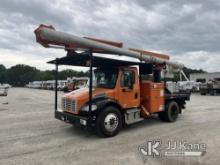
[(109, 122)]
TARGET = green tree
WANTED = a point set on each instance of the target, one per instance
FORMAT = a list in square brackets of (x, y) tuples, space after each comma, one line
[(2, 68), (20, 75), (2, 73)]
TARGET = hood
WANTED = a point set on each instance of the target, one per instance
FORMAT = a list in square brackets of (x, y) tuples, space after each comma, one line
[(82, 95)]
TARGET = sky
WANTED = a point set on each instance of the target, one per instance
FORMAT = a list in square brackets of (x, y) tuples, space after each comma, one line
[(187, 30)]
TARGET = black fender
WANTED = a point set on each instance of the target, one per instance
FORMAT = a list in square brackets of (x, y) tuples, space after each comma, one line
[(101, 103)]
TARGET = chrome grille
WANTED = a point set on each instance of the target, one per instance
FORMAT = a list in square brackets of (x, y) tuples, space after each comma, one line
[(68, 105)]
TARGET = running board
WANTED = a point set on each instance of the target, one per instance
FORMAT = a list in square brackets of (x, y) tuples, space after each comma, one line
[(133, 116)]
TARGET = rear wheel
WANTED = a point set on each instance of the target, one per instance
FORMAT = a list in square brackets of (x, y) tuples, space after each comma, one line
[(171, 112), (109, 122)]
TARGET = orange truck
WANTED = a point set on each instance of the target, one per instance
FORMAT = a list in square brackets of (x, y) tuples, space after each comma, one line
[(117, 94)]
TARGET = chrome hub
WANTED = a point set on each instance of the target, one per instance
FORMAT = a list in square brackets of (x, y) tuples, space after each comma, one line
[(111, 122)]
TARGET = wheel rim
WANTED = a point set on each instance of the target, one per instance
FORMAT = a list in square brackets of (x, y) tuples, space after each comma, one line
[(111, 122)]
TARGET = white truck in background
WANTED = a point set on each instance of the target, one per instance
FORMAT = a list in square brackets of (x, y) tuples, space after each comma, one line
[(212, 88), (4, 89), (183, 85)]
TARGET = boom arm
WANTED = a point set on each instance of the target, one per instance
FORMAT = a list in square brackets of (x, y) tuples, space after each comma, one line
[(47, 35)]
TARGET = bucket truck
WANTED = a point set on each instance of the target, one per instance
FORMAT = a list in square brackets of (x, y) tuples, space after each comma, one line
[(117, 94)]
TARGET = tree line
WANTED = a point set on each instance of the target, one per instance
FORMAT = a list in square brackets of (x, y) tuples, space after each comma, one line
[(19, 75)]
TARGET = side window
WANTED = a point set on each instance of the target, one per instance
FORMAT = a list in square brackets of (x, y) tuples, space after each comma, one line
[(127, 79)]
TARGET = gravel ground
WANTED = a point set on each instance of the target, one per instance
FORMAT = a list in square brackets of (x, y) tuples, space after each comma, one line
[(29, 134)]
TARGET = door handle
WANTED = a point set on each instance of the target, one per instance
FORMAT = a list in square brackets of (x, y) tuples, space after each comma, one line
[(136, 95)]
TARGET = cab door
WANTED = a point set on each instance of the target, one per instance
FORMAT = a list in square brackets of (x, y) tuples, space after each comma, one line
[(129, 91)]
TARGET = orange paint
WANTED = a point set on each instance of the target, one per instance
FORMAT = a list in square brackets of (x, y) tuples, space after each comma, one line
[(152, 96)]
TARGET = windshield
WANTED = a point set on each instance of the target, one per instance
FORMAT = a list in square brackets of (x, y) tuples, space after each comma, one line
[(105, 78)]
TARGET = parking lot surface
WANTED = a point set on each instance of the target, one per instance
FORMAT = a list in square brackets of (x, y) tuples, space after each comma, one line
[(29, 134)]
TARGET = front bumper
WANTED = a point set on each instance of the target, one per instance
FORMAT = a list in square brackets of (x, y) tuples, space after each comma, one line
[(68, 117)]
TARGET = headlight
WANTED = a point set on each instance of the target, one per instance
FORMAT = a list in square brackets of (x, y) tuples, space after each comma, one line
[(86, 108)]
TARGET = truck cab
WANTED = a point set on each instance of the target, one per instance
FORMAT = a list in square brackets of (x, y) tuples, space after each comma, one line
[(120, 85)]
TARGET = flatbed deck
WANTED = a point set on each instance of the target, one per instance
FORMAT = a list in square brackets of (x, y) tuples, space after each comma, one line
[(185, 96)]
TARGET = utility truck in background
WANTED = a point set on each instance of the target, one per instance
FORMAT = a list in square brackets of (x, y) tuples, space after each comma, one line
[(117, 94), (212, 87)]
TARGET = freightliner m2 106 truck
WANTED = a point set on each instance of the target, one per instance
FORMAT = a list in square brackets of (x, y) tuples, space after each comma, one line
[(117, 94)]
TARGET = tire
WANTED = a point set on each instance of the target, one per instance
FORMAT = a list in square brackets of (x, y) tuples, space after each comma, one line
[(171, 112), (162, 116), (109, 122)]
